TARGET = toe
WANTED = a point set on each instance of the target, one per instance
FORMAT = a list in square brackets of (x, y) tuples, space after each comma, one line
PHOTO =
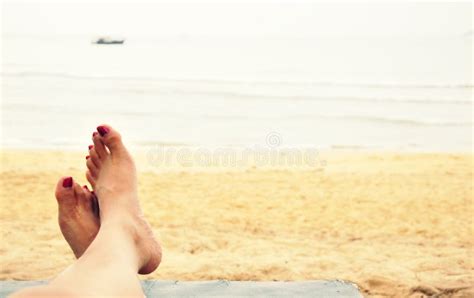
[(90, 178), (79, 192), (87, 202), (94, 156), (91, 201), (65, 192), (99, 145), (111, 138), (83, 197), (92, 167)]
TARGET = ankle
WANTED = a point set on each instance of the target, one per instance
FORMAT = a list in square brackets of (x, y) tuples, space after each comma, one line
[(114, 211), (118, 223), (122, 236), (127, 225)]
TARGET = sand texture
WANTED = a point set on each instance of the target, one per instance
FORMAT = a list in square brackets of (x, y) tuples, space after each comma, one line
[(397, 224)]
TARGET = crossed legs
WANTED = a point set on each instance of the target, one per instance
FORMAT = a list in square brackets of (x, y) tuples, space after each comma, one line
[(105, 228)]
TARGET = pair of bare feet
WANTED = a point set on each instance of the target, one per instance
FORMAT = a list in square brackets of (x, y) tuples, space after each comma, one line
[(112, 175)]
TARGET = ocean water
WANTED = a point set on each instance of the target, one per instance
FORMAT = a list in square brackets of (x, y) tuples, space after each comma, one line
[(405, 93)]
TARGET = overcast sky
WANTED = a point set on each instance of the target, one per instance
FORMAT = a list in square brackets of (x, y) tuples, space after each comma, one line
[(225, 18)]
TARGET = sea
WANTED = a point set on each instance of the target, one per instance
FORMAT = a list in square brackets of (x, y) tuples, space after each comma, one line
[(408, 93)]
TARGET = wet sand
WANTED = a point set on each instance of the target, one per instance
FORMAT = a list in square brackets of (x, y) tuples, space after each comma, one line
[(397, 224)]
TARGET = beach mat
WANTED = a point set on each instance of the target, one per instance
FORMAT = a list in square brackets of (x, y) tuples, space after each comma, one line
[(223, 288)]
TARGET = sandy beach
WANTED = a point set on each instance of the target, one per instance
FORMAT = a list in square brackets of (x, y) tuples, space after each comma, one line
[(395, 224), (367, 107)]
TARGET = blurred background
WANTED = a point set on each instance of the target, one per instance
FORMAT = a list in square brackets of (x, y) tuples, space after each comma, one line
[(392, 76)]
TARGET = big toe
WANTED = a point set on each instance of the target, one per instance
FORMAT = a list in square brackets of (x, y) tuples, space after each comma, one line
[(111, 138), (65, 192)]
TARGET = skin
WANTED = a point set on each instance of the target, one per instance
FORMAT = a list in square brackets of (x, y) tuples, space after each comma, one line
[(124, 244), (78, 215)]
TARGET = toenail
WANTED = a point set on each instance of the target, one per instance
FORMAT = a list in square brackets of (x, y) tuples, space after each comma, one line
[(67, 182), (102, 130), (85, 186), (88, 156), (94, 133), (91, 146)]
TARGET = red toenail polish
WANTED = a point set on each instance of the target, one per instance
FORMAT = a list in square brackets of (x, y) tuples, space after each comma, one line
[(85, 186), (88, 156), (94, 133), (91, 146), (67, 182), (102, 130)]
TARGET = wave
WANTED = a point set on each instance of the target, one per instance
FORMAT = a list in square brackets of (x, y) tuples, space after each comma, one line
[(11, 107), (241, 82), (353, 118), (188, 89), (241, 95), (401, 121)]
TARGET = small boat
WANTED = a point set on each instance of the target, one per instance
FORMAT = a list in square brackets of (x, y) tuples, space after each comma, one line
[(108, 40)]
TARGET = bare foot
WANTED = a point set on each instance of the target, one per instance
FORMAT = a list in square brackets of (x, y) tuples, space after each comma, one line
[(112, 173), (78, 214)]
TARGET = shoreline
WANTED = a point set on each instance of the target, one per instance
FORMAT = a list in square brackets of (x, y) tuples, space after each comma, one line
[(393, 223), (335, 148), (147, 161)]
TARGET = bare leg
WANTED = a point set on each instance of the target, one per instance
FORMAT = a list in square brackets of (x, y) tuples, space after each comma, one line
[(125, 243), (108, 268)]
